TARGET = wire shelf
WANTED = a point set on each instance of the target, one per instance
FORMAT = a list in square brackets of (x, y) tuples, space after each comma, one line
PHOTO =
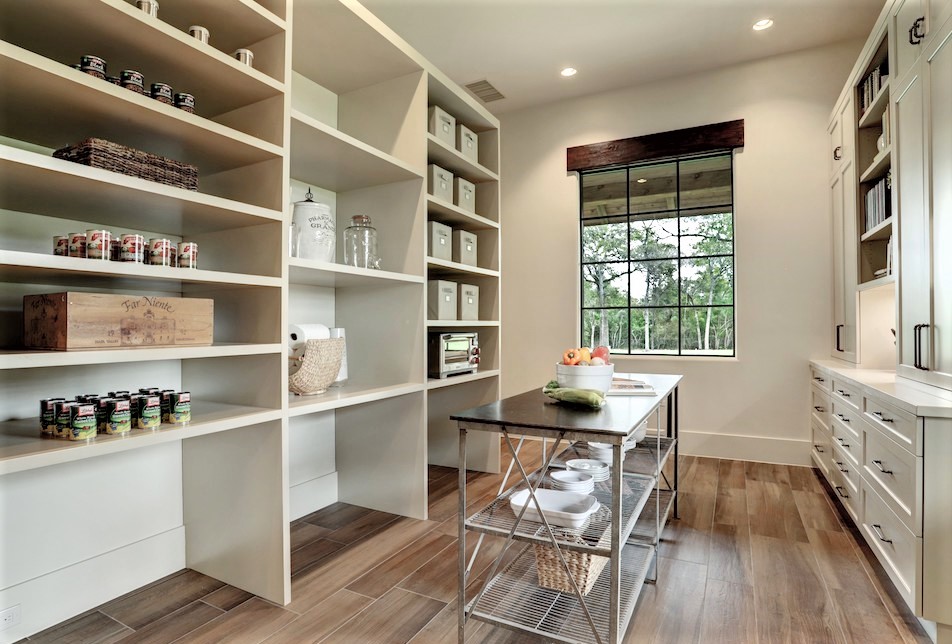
[(647, 530), (497, 518), (513, 599), (646, 459)]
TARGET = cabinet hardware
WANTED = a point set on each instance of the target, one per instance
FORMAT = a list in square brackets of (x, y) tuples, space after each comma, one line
[(839, 490), (842, 418), (879, 465), (836, 151), (842, 393), (840, 441), (916, 30), (819, 448), (880, 417), (838, 327), (917, 346), (818, 379), (818, 408), (839, 466), (878, 529)]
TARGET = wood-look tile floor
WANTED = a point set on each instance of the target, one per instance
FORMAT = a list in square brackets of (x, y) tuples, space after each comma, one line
[(759, 554)]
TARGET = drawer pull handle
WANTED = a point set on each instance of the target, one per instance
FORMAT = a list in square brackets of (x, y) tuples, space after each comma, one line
[(879, 415), (818, 379), (839, 490), (841, 442), (839, 466), (879, 533), (842, 393), (819, 448), (818, 408), (842, 417), (879, 464)]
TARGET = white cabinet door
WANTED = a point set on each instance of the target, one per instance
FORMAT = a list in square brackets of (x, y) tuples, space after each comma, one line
[(938, 80), (843, 202), (909, 186), (908, 27)]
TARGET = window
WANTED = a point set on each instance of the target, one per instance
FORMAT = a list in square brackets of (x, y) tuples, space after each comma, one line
[(657, 257)]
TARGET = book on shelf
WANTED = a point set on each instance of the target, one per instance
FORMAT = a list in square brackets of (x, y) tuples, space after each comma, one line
[(878, 203), (889, 255), (624, 385)]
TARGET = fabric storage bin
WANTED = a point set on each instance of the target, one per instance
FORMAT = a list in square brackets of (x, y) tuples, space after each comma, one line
[(468, 296), (440, 241), (442, 125), (464, 194), (441, 300), (467, 143), (439, 182), (464, 247)]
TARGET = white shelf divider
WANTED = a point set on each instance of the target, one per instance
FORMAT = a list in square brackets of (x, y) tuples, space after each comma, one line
[(452, 215), (460, 324), (440, 383), (311, 272), (348, 395), (36, 359), (453, 160), (446, 267)]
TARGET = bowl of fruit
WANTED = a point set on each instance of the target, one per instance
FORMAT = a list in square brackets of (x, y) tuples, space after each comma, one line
[(585, 368)]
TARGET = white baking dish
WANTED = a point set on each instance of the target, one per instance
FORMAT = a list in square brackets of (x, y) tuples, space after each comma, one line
[(567, 509)]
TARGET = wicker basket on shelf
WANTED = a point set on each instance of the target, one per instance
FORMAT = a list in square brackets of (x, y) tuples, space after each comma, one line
[(106, 155), (319, 367)]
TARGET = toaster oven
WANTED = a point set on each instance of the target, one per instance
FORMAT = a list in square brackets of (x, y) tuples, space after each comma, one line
[(452, 353)]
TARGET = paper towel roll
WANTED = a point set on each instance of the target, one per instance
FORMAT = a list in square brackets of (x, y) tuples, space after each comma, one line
[(299, 334)]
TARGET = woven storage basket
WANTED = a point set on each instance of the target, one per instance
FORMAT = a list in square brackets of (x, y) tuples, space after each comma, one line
[(585, 567), (99, 153), (319, 367)]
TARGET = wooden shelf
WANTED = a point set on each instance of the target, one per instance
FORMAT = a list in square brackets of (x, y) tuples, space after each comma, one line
[(877, 169), (326, 157), (36, 359), (447, 268), (36, 268), (35, 89), (876, 283), (460, 324), (36, 183), (451, 159), (309, 272), (440, 383), (22, 448), (882, 231), (347, 396), (452, 215), (873, 116)]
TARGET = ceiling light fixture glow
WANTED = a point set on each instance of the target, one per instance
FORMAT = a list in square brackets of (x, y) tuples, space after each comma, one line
[(569, 71), (765, 23)]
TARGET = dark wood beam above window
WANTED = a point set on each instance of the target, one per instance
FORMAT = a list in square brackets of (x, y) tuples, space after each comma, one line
[(676, 143)]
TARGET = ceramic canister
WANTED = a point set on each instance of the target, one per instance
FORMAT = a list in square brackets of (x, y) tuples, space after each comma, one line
[(315, 229)]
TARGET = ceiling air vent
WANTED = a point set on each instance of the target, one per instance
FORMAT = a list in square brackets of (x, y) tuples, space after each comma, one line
[(484, 91)]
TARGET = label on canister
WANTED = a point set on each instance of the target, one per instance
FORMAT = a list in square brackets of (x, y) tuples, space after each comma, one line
[(181, 403), (166, 404), (102, 414), (118, 416), (98, 244), (77, 244), (150, 412), (187, 255), (160, 252), (134, 408), (62, 418), (82, 422), (48, 415), (132, 248), (61, 245)]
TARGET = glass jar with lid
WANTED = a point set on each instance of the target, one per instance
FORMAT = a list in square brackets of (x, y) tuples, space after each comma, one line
[(360, 243)]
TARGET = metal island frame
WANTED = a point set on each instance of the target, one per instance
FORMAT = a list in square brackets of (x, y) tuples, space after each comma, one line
[(586, 603)]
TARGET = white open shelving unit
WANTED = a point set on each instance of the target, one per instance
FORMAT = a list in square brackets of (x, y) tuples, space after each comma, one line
[(335, 101)]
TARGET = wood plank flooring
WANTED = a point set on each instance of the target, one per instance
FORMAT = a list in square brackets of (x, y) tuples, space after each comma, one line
[(759, 554)]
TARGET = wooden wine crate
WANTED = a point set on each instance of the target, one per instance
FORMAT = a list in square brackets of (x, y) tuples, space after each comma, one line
[(104, 321)]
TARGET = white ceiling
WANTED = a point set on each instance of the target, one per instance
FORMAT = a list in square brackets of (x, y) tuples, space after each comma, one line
[(520, 45)]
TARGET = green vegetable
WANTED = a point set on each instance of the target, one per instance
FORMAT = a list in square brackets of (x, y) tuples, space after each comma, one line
[(584, 397)]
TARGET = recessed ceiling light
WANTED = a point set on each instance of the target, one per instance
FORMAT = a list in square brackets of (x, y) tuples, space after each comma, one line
[(765, 23), (642, 181), (569, 71)]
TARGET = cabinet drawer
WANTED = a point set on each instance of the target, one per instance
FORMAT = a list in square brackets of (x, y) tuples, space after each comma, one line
[(898, 550), (849, 471), (898, 425), (820, 402), (844, 439), (821, 379), (846, 393), (849, 499), (821, 448), (897, 476)]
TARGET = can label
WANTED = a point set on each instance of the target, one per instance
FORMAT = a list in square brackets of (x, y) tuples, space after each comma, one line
[(132, 249), (77, 244), (162, 93), (62, 418), (187, 255), (61, 245), (82, 422), (134, 408), (48, 415), (98, 244), (102, 414), (181, 404), (164, 396), (160, 252), (118, 417), (185, 102), (150, 412), (93, 64)]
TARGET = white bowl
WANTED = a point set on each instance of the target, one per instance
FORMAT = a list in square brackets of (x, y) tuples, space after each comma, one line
[(597, 377)]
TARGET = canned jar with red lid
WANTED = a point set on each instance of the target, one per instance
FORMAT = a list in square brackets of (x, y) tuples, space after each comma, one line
[(98, 244), (132, 248), (187, 255), (77, 244)]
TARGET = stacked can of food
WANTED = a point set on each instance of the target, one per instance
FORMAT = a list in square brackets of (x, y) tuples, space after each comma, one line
[(98, 244), (101, 244), (118, 412), (160, 252), (133, 80)]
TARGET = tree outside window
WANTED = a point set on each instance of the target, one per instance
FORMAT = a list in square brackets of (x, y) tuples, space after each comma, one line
[(657, 257)]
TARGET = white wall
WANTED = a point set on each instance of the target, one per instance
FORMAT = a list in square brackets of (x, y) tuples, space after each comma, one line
[(751, 407)]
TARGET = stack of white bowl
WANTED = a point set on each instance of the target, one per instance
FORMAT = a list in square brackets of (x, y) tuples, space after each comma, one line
[(571, 481), (597, 469), (603, 451)]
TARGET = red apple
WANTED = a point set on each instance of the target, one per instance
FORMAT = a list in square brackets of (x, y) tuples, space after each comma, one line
[(603, 353)]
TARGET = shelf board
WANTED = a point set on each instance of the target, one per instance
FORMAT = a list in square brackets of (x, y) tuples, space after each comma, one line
[(36, 90), (646, 530), (445, 267), (873, 115), (876, 283), (452, 215), (347, 396), (37, 358), (514, 599), (126, 37), (309, 272), (22, 448), (36, 268), (440, 383), (444, 92), (324, 156), (458, 324), (451, 159), (883, 230), (40, 184), (877, 169)]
